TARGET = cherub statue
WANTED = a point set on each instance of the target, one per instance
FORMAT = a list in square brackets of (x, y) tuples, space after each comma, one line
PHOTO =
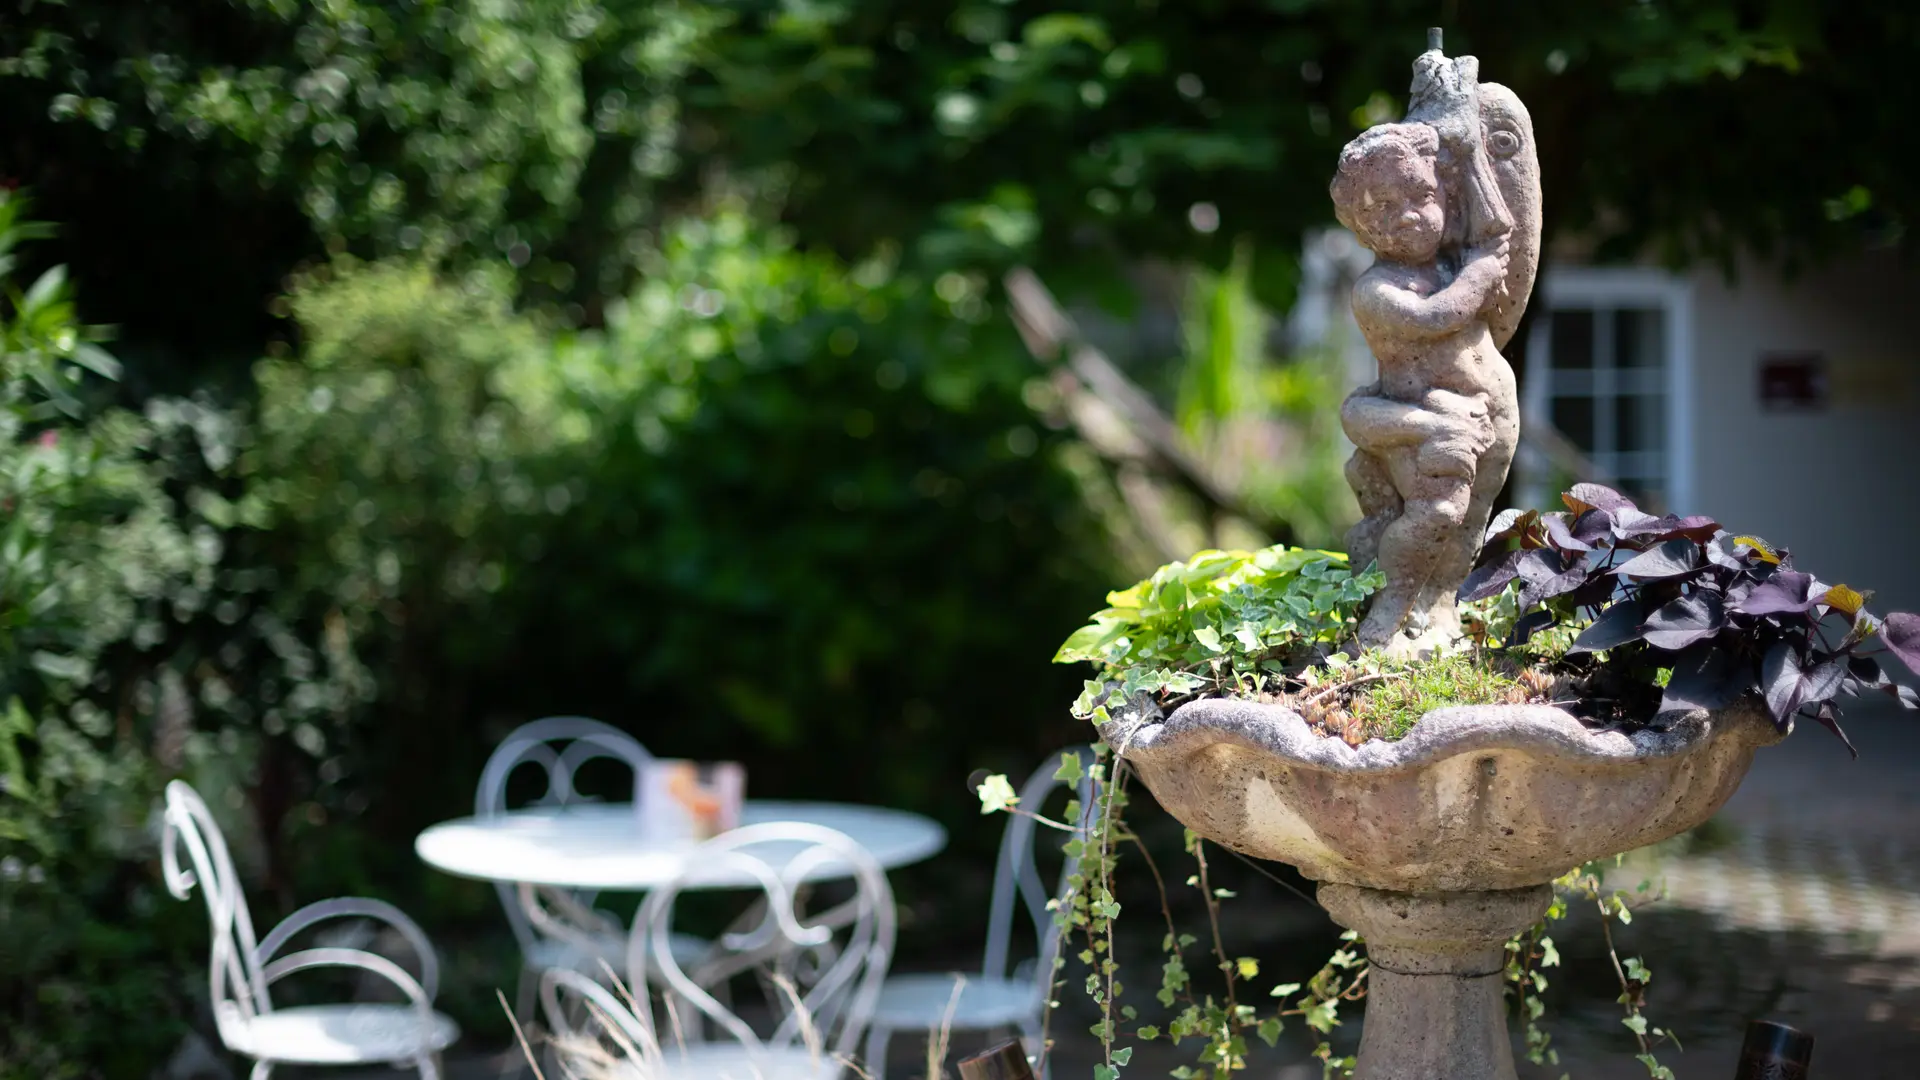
[(1455, 257)]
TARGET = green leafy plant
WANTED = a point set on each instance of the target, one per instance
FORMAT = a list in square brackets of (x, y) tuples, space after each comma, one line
[(1217, 1023), (1681, 615), (1223, 622)]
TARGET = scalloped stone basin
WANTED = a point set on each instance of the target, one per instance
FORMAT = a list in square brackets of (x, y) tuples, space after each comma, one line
[(1474, 798), (1437, 848)]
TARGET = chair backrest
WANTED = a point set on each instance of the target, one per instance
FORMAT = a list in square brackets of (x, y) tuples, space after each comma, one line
[(239, 990), (1017, 873), (559, 746), (847, 948)]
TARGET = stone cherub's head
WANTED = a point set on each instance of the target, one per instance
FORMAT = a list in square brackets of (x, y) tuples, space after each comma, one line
[(1388, 191)]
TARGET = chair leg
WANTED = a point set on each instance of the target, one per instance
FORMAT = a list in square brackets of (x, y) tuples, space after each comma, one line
[(524, 993), (876, 1054), (262, 1070), (429, 1066)]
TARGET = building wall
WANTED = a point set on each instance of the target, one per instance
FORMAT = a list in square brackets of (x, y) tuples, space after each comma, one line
[(1839, 484)]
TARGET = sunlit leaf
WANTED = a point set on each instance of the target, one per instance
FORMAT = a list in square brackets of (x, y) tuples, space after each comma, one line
[(1760, 548), (1844, 599), (1673, 558), (996, 793)]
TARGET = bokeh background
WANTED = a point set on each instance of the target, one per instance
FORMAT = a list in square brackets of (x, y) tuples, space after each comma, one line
[(482, 360)]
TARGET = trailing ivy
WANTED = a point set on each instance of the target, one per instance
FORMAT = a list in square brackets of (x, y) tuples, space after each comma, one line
[(1216, 1024)]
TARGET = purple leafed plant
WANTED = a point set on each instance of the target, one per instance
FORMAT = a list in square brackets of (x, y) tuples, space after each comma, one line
[(1720, 615)]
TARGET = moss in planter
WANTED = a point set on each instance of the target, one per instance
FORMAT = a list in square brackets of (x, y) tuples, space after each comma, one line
[(1390, 701)]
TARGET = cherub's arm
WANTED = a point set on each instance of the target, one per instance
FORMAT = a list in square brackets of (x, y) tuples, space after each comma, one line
[(1379, 301), (1377, 423)]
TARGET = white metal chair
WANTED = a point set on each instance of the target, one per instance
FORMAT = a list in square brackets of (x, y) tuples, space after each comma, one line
[(818, 1018), (995, 997), (242, 969), (560, 928)]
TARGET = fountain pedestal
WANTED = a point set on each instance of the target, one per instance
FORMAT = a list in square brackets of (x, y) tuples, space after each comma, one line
[(1435, 1009)]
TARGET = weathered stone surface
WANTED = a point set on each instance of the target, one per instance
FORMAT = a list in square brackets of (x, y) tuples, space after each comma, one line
[(1449, 202), (1474, 798), (1434, 1005)]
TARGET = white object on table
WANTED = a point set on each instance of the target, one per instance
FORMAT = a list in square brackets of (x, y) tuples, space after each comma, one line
[(601, 846)]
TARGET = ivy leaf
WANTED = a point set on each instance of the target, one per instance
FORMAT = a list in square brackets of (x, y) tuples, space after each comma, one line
[(1069, 771), (1269, 1030), (1149, 1032), (1123, 1055), (1209, 637), (996, 794), (1655, 1070), (1105, 1072), (1247, 967), (1283, 989), (1636, 1024)]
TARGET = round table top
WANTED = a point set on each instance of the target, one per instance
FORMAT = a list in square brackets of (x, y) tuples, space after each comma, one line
[(600, 845)]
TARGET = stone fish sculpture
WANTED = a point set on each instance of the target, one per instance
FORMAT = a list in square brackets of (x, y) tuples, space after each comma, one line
[(1448, 200)]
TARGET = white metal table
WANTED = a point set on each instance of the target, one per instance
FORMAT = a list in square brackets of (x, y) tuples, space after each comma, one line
[(601, 847)]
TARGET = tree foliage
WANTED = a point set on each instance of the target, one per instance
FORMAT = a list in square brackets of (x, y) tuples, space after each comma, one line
[(203, 150)]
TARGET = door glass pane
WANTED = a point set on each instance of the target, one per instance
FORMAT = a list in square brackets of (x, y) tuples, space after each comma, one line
[(1574, 418), (1572, 330), (1639, 338), (1639, 423)]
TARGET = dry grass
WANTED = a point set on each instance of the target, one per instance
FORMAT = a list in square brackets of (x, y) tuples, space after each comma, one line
[(584, 1056), (1386, 704)]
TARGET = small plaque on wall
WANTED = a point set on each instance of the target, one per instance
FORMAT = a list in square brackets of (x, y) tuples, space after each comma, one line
[(1793, 382)]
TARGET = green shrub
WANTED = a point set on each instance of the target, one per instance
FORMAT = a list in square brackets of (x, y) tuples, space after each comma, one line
[(90, 549)]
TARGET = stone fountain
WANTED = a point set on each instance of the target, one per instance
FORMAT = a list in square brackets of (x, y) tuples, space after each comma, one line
[(1440, 846)]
